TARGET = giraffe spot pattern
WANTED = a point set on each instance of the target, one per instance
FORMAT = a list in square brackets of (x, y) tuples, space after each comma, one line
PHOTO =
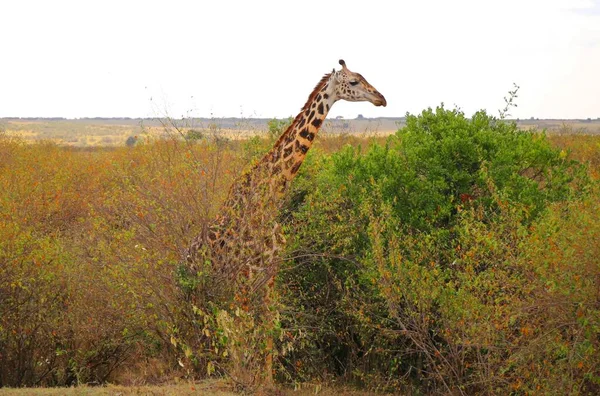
[(304, 133), (302, 147), (295, 167), (274, 156)]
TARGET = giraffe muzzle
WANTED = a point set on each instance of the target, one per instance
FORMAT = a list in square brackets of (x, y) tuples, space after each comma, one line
[(380, 100)]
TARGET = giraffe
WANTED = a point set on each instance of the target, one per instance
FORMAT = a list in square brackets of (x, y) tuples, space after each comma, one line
[(245, 239)]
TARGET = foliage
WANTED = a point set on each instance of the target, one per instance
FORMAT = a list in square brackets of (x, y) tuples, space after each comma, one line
[(194, 134), (413, 251), (131, 141), (277, 127), (89, 246), (458, 256)]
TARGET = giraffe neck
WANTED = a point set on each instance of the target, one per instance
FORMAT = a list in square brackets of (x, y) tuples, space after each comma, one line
[(281, 164), (288, 153)]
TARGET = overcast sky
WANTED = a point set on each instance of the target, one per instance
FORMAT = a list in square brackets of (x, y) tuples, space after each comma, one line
[(262, 58)]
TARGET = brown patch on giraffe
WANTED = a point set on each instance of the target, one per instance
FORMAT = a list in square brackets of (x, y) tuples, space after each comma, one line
[(287, 151), (295, 168), (301, 123), (283, 184), (304, 133), (317, 122), (275, 156), (301, 147), (310, 116), (320, 108)]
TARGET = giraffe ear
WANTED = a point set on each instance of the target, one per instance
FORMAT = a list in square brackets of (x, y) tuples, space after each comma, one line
[(343, 63)]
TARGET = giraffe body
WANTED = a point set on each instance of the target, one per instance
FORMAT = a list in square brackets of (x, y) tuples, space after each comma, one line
[(245, 239)]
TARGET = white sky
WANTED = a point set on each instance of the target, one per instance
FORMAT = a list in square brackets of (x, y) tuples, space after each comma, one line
[(262, 58)]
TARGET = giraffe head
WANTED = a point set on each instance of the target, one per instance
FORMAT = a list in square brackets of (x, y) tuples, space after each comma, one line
[(353, 87)]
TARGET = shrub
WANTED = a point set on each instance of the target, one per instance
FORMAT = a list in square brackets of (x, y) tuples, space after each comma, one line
[(458, 256), (89, 245), (405, 243), (194, 134), (277, 127)]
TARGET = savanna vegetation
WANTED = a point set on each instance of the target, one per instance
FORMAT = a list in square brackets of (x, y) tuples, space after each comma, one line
[(459, 255)]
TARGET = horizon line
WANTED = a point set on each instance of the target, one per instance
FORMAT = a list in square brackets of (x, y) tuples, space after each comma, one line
[(265, 118)]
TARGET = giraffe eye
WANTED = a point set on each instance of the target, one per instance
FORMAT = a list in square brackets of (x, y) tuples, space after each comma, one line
[(353, 82)]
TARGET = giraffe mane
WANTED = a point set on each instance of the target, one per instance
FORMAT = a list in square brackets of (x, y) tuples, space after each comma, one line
[(311, 97), (315, 91)]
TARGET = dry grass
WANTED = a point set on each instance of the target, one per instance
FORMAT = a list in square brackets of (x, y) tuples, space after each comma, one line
[(563, 127), (114, 132), (211, 387), (207, 387)]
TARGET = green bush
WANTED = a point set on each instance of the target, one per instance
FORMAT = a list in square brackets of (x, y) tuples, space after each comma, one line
[(405, 254), (277, 127), (442, 159), (194, 134)]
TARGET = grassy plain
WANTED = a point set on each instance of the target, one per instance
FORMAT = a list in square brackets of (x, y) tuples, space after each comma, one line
[(113, 132)]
